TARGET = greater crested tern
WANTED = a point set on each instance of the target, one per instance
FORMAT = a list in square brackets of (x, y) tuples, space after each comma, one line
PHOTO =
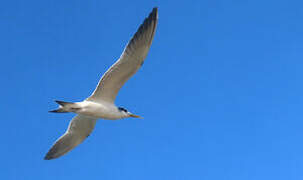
[(101, 103)]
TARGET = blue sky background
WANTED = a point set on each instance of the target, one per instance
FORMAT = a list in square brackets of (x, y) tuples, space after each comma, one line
[(220, 92)]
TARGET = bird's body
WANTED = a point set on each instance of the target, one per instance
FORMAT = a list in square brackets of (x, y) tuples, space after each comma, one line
[(102, 109), (101, 103)]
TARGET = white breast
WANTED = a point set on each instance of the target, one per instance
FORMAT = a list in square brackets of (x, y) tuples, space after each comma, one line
[(102, 110)]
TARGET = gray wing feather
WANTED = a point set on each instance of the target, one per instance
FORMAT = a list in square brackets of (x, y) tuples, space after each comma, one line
[(79, 128), (129, 62)]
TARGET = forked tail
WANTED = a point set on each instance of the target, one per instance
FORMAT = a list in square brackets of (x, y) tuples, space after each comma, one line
[(65, 107)]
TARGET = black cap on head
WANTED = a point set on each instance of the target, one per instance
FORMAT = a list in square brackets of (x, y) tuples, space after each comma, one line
[(122, 109)]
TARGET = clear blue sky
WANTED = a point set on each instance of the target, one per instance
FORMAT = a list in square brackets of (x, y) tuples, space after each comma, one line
[(220, 92)]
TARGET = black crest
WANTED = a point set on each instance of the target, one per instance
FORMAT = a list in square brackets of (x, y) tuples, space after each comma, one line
[(122, 109)]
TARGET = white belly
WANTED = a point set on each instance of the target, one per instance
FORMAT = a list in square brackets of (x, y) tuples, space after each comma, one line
[(99, 110)]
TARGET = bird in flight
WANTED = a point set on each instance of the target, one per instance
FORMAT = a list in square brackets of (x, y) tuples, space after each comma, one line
[(101, 103)]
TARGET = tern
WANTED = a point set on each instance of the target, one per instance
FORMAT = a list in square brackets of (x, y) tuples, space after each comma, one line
[(101, 104)]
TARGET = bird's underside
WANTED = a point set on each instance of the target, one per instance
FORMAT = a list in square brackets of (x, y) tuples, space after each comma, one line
[(106, 91), (99, 110)]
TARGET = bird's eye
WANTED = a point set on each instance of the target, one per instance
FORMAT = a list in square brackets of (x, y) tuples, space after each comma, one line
[(122, 109)]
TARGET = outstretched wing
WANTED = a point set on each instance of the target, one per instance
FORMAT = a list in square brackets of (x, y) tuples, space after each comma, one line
[(130, 61), (79, 128)]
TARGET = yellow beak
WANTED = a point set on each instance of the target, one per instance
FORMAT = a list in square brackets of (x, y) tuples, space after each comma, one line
[(135, 116)]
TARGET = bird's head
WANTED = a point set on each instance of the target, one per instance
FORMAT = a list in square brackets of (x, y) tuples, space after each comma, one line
[(126, 113)]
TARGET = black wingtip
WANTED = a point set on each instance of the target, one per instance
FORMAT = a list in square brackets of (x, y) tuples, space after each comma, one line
[(48, 156), (154, 12), (153, 15), (150, 20)]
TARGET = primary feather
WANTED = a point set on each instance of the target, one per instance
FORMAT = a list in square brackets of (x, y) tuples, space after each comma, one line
[(129, 62)]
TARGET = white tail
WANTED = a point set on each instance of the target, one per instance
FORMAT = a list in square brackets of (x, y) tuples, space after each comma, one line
[(65, 107)]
